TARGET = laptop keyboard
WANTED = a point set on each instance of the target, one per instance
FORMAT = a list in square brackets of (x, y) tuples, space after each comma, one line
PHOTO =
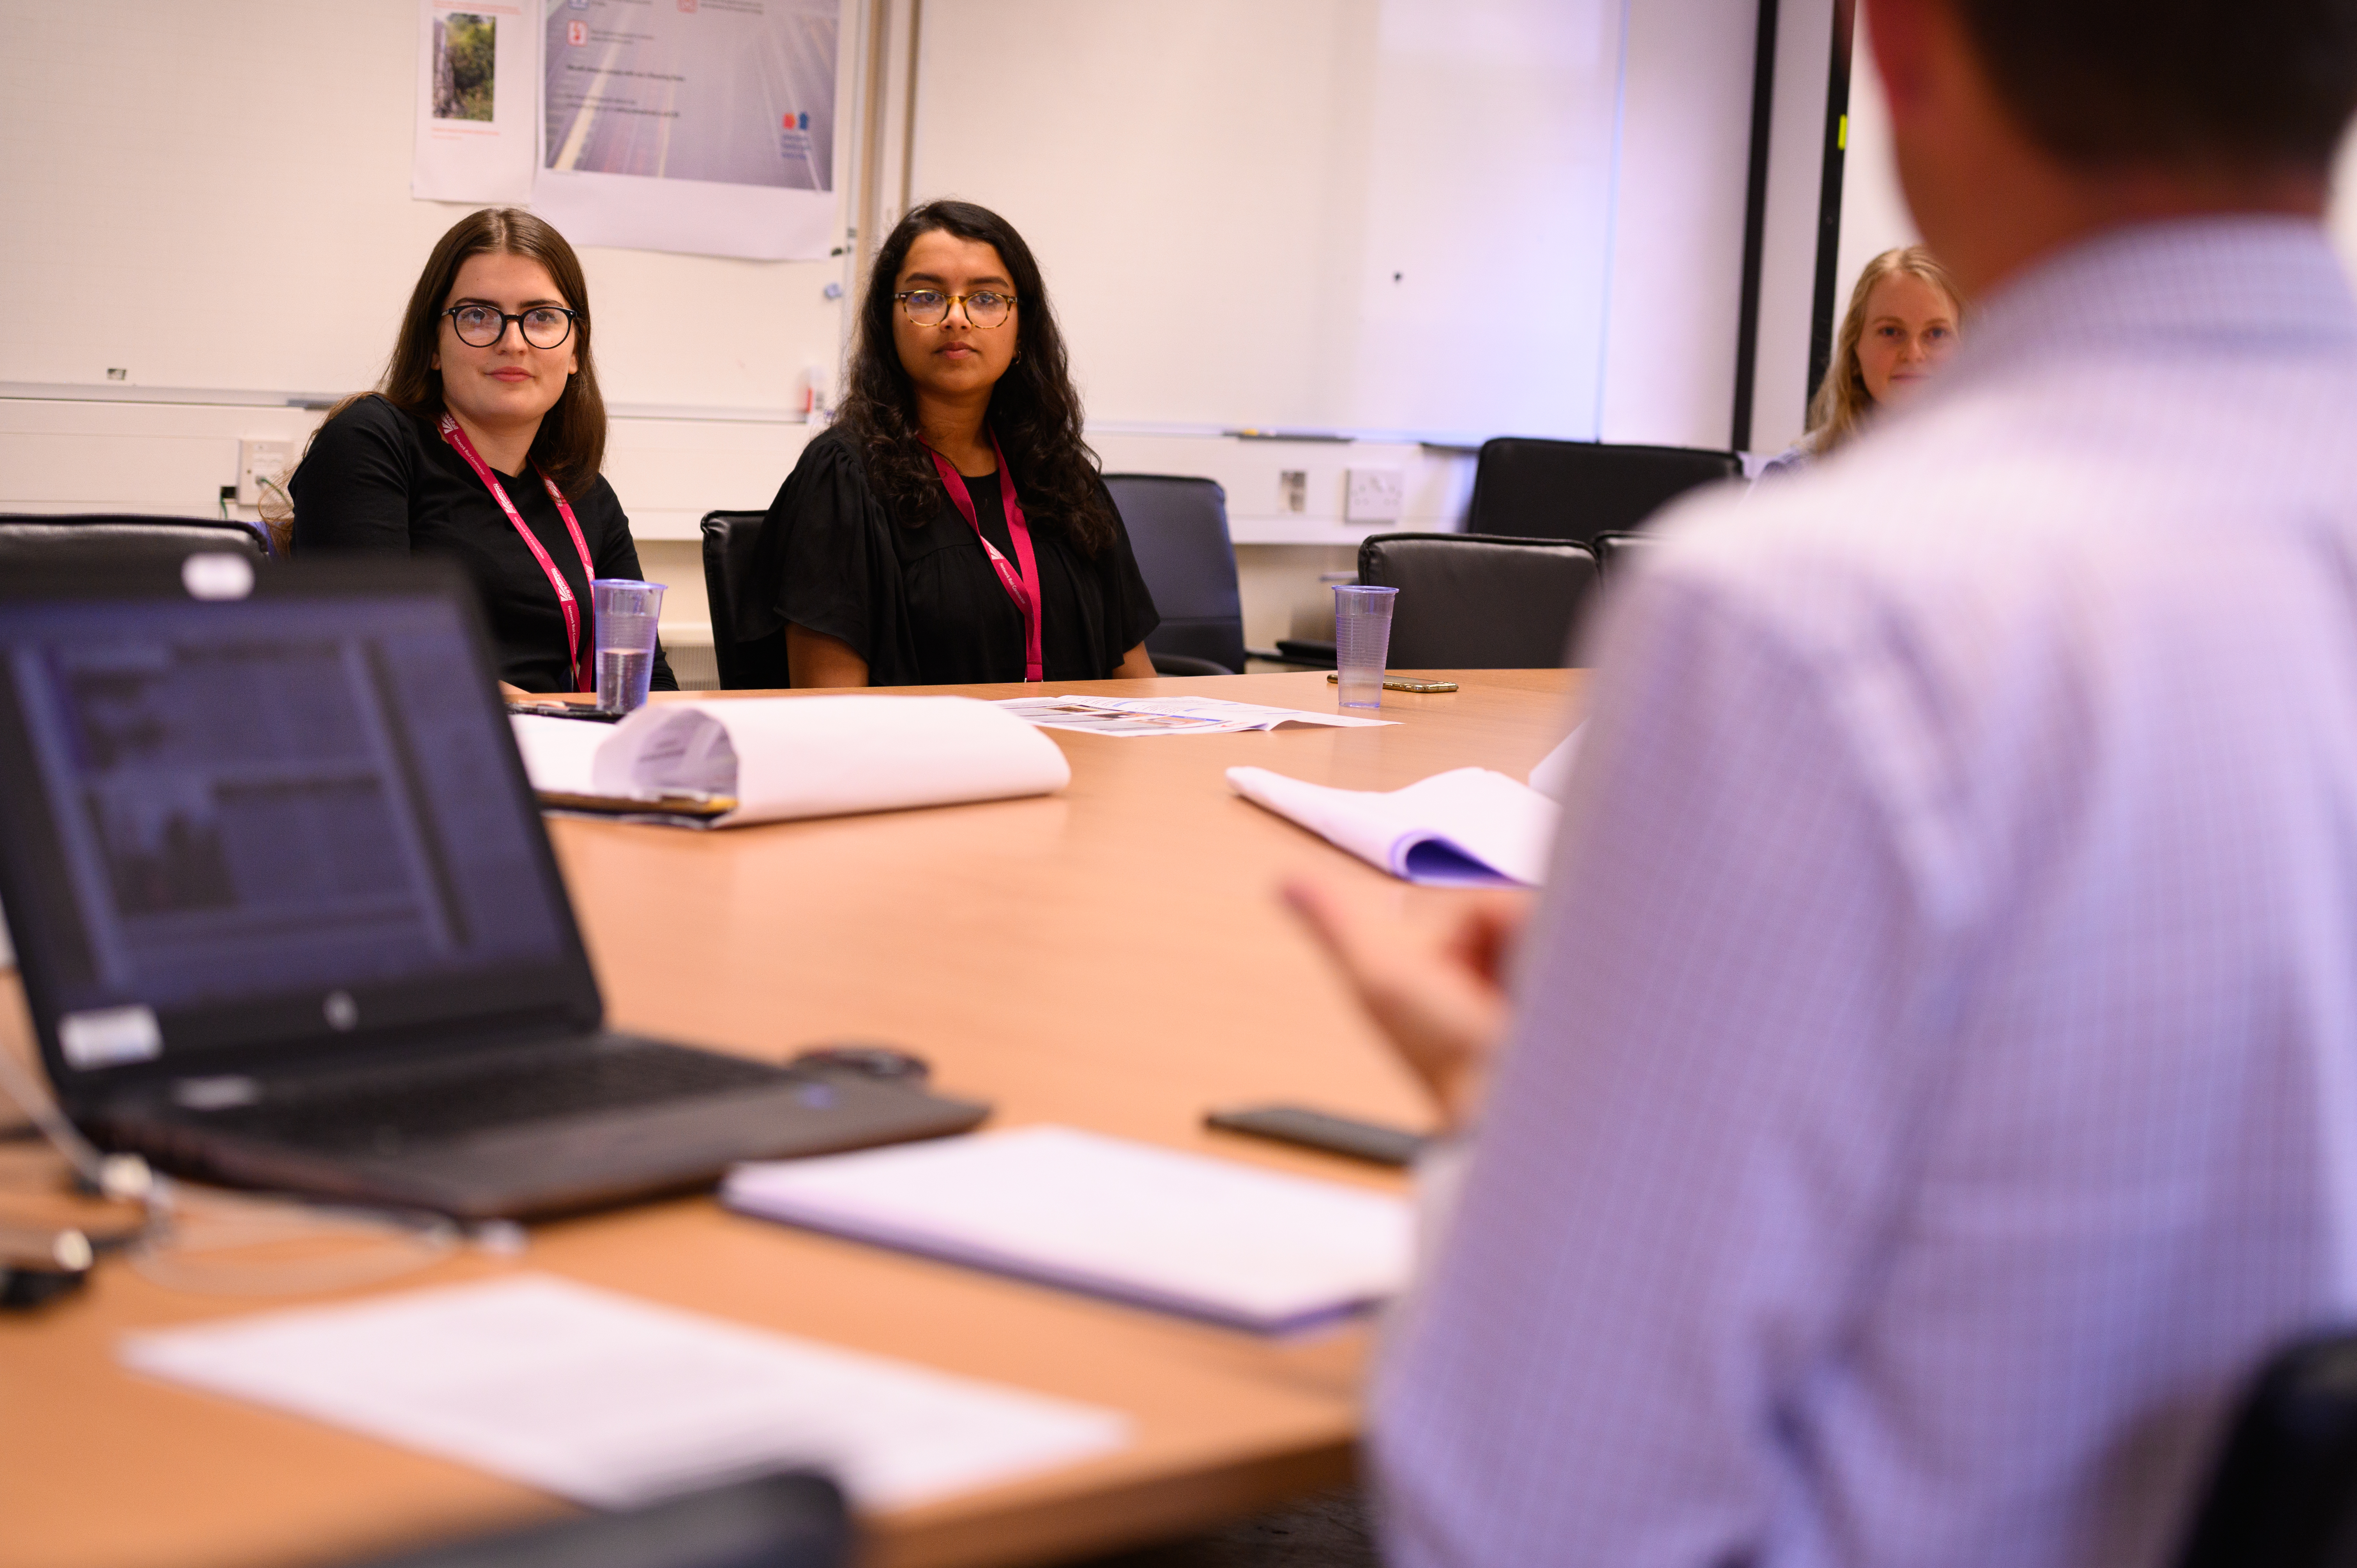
[(386, 1112)]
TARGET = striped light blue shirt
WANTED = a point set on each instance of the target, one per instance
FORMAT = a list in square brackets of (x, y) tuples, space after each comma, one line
[(1935, 1081)]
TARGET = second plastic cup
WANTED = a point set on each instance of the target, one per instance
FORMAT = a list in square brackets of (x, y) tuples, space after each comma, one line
[(624, 612), (1362, 637)]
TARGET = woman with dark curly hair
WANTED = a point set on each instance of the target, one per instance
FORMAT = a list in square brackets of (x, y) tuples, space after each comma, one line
[(951, 527)]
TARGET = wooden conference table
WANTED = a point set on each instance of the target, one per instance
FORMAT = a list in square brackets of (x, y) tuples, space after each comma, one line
[(1113, 957)]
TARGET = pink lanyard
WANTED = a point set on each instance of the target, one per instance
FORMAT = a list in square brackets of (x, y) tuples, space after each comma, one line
[(582, 680), (1024, 589)]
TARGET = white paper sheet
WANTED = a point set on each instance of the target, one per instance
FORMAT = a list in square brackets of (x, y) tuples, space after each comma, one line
[(1209, 1237), (786, 758), (1551, 775), (613, 1401), (1466, 828), (476, 140), (559, 754), (1167, 715)]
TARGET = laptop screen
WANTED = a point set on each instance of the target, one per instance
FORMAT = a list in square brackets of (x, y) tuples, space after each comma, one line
[(281, 816)]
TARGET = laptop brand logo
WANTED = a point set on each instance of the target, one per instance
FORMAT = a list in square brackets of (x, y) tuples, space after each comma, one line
[(342, 1012)]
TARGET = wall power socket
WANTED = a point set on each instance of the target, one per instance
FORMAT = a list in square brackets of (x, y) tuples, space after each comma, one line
[(1374, 495), (260, 460)]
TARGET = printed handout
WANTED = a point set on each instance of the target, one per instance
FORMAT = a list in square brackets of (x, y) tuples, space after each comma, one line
[(1167, 715), (613, 1401)]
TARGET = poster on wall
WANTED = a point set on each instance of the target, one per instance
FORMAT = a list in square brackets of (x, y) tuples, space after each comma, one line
[(478, 101), (697, 125)]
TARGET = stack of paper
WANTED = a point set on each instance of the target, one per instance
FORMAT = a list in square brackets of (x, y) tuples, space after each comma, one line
[(764, 759), (615, 1402), (1466, 828), (1209, 1238), (1169, 716)]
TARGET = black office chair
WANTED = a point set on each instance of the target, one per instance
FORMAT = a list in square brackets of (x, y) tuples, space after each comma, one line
[(1616, 553), (729, 538), (1180, 665), (25, 538), (1530, 489), (1178, 530), (2284, 1494), (775, 1521), (1470, 601)]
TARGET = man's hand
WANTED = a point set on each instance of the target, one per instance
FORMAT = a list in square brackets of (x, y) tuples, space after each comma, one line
[(1438, 992)]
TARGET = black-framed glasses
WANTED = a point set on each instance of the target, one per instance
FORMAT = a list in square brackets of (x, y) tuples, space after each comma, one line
[(931, 307), (481, 326)]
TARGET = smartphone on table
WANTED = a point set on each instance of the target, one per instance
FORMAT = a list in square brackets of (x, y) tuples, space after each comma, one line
[(1321, 1130)]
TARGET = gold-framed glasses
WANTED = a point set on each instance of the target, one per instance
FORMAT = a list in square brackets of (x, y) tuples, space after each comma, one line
[(931, 307)]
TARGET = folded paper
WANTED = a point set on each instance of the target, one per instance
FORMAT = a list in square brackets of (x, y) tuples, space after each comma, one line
[(763, 760), (1466, 828)]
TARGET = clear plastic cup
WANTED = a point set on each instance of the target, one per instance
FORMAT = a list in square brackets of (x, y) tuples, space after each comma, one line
[(624, 613), (1362, 636)]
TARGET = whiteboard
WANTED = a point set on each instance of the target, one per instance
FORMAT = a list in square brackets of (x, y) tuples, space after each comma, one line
[(216, 196), (1359, 215)]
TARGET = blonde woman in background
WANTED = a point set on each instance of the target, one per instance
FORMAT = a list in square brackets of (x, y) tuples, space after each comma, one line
[(1903, 320)]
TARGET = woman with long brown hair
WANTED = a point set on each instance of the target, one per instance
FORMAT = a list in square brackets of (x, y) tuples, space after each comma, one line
[(1904, 317), (482, 444), (951, 526)]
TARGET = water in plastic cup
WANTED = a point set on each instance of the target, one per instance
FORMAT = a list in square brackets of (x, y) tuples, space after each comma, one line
[(1362, 636), (624, 612)]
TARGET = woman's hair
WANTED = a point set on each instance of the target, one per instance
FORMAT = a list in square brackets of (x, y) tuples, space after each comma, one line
[(1034, 412), (571, 444), (1842, 402)]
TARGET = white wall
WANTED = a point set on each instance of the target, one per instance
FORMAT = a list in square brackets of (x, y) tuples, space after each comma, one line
[(1874, 209), (1788, 266), (1676, 292), (216, 196), (1330, 214)]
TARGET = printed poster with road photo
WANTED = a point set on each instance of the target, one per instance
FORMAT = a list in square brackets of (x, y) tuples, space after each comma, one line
[(477, 128), (698, 125)]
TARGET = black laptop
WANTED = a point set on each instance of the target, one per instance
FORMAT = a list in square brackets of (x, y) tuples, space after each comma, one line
[(288, 917)]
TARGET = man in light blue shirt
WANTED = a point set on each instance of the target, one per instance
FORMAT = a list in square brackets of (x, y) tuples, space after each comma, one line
[(1929, 1085)]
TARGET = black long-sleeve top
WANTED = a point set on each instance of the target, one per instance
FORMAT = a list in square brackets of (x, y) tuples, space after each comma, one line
[(379, 481), (923, 605)]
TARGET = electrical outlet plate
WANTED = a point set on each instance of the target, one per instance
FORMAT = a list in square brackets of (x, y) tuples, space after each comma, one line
[(1374, 495), (260, 460)]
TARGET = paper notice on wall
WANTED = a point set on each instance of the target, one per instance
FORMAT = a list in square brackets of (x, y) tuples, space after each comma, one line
[(478, 124), (699, 125)]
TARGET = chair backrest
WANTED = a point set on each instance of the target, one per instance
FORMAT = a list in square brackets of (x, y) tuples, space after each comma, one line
[(774, 1522), (1530, 489), (1616, 553), (729, 538), (25, 538), (1477, 601), (1178, 529), (2284, 1493)]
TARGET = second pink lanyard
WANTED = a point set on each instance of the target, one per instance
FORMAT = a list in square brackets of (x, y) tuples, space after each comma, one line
[(1022, 587), (584, 680)]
